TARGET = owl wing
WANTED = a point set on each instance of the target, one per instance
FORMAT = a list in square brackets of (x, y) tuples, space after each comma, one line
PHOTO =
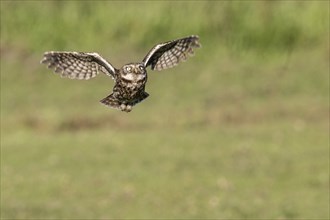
[(78, 65), (169, 54)]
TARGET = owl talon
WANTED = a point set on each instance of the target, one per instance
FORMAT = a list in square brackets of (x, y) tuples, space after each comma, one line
[(128, 108), (125, 108), (122, 107)]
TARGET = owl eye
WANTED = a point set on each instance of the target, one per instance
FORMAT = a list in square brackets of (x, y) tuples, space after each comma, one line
[(141, 68), (128, 69)]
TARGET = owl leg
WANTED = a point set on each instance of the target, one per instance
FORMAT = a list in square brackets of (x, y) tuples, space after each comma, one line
[(127, 108)]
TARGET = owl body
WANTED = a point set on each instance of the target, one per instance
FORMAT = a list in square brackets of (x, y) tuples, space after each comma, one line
[(129, 87), (130, 79)]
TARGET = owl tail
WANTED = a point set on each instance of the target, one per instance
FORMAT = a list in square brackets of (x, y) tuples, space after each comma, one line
[(111, 101)]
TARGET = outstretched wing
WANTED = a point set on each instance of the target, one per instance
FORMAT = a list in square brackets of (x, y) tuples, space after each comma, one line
[(78, 65), (169, 54)]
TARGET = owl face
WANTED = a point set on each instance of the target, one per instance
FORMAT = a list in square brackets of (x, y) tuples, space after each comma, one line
[(133, 72)]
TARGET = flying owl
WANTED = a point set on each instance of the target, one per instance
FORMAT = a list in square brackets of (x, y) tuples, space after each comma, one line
[(130, 80)]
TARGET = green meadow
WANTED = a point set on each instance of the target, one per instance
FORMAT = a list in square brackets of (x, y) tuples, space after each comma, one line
[(240, 130)]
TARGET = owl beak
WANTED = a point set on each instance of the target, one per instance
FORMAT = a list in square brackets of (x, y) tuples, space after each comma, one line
[(136, 71)]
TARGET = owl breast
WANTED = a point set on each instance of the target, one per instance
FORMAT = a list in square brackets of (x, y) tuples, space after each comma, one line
[(133, 86), (131, 82), (128, 91)]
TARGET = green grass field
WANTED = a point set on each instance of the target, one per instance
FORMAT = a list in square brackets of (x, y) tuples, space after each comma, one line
[(240, 130)]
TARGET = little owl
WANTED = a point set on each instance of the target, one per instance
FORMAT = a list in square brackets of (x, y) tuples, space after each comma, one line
[(130, 79)]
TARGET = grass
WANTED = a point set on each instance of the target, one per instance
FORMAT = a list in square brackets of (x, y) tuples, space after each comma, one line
[(241, 130)]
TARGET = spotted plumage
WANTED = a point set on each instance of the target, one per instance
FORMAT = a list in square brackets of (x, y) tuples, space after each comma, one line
[(130, 80)]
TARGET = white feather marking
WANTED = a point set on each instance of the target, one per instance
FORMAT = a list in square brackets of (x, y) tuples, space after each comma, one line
[(128, 77)]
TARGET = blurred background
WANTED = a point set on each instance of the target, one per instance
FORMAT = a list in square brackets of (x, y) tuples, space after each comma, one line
[(240, 130)]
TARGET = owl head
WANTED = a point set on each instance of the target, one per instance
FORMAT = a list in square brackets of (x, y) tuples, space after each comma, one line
[(133, 72)]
